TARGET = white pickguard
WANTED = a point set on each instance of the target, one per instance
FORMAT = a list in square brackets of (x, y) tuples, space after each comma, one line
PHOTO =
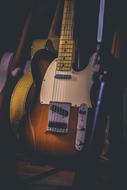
[(75, 90)]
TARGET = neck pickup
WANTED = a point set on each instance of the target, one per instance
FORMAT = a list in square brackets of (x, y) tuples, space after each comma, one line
[(63, 76)]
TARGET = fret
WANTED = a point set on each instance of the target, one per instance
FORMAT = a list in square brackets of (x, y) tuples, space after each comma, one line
[(67, 34), (64, 48), (65, 37), (63, 69), (66, 31), (62, 62), (66, 44), (67, 17), (63, 54), (63, 65), (66, 41), (67, 50), (67, 23), (65, 59), (66, 28)]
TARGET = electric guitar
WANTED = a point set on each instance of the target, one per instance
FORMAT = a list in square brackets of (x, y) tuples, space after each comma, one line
[(56, 122)]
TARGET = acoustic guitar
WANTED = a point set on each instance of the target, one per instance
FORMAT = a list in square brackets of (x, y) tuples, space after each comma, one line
[(12, 66), (56, 121), (51, 43), (24, 89)]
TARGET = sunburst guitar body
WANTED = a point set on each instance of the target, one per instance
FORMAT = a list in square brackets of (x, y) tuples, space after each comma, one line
[(56, 121)]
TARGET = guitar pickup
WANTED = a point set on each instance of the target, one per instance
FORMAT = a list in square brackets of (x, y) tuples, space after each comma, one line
[(59, 110), (61, 76), (58, 118), (57, 127)]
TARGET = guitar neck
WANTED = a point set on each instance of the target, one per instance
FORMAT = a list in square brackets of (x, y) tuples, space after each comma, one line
[(67, 22), (65, 53)]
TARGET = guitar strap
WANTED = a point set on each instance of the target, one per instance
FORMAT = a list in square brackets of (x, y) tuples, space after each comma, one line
[(100, 23), (96, 56), (102, 76)]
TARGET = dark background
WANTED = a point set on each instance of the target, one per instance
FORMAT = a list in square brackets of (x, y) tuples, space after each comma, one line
[(13, 14)]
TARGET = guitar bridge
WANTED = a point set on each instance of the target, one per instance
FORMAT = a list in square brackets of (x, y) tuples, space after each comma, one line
[(58, 117), (81, 127)]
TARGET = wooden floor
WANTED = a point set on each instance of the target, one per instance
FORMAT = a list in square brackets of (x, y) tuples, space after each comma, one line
[(33, 175)]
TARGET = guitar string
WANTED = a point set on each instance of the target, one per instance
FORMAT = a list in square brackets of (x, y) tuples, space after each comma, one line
[(65, 53), (60, 61), (56, 81), (64, 49), (67, 21), (66, 60), (57, 87), (62, 54), (68, 45)]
